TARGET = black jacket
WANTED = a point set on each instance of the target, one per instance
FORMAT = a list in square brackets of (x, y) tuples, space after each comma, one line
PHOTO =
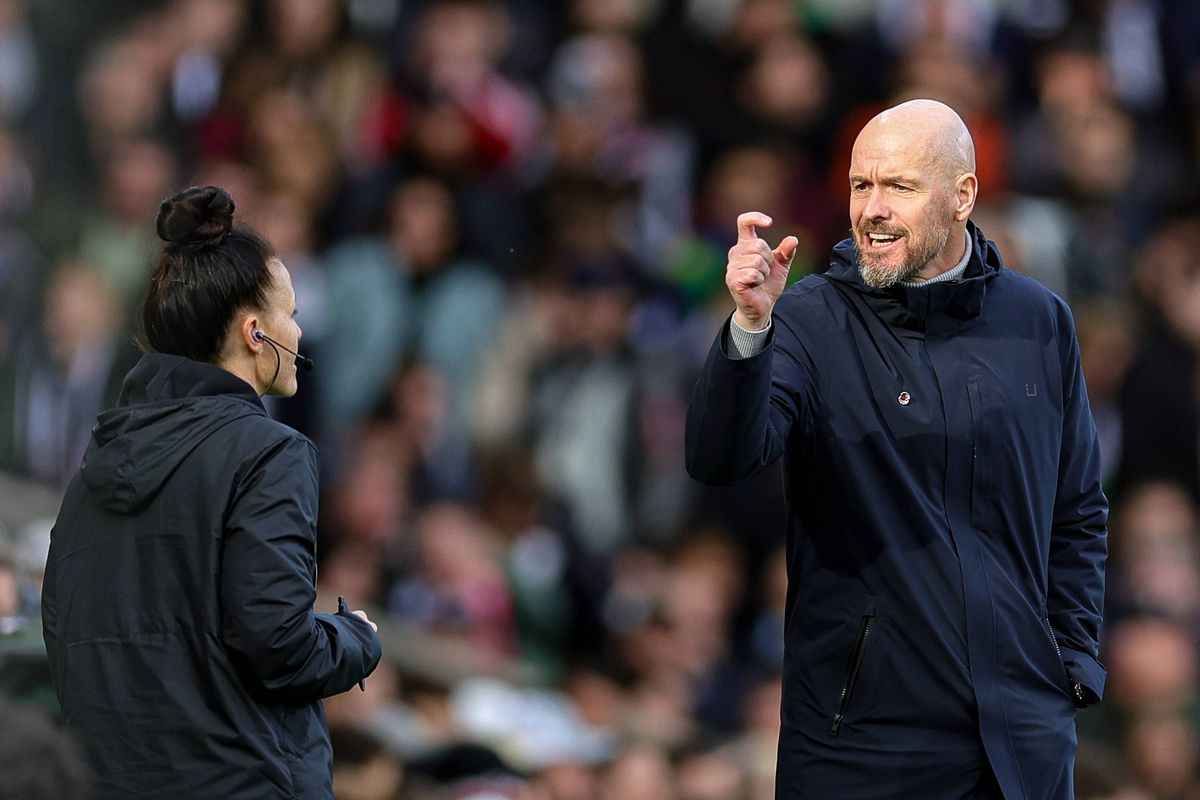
[(946, 528), (179, 591)]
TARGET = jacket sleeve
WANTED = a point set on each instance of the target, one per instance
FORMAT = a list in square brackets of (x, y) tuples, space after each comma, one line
[(49, 607), (742, 410), (268, 584), (1079, 537)]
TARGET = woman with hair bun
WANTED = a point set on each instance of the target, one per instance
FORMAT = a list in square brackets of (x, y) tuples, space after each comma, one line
[(179, 590)]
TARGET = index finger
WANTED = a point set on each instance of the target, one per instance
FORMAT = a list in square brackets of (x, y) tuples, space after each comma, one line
[(747, 221)]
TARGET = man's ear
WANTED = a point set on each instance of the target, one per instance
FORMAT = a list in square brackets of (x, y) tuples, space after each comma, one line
[(966, 189)]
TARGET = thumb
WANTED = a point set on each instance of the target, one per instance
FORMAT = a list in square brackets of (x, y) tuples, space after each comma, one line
[(786, 251)]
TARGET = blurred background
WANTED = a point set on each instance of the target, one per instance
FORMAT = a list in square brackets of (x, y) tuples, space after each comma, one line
[(506, 221)]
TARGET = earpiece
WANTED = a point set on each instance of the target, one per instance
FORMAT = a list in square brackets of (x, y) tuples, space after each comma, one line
[(301, 361)]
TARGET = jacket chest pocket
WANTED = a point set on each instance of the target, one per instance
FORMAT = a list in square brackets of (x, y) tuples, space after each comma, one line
[(980, 451), (1015, 432)]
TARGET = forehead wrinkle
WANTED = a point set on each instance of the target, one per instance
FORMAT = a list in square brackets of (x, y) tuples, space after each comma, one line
[(892, 165)]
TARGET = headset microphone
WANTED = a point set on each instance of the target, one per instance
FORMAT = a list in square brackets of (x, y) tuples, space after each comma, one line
[(301, 361)]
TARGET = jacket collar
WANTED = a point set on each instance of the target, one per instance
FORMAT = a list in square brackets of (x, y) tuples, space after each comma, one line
[(159, 376), (914, 307)]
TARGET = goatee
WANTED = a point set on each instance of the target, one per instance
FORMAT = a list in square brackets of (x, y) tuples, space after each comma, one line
[(921, 253), (878, 276)]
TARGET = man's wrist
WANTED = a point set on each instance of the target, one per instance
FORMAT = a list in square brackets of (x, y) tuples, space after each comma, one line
[(749, 325)]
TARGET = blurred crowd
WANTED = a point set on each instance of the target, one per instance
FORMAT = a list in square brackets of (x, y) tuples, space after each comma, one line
[(506, 221)]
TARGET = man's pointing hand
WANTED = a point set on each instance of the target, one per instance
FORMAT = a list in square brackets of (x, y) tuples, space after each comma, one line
[(756, 274)]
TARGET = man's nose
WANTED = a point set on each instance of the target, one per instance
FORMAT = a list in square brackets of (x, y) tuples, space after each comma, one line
[(876, 206)]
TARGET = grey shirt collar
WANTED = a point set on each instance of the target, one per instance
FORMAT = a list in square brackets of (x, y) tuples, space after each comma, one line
[(952, 274)]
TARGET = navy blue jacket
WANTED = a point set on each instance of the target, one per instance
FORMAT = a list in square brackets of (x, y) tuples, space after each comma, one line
[(946, 527), (178, 597)]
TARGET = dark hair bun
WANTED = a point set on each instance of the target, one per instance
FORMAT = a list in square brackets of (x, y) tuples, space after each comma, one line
[(198, 217)]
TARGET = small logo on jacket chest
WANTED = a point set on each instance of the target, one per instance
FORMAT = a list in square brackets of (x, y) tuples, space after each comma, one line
[(1031, 390)]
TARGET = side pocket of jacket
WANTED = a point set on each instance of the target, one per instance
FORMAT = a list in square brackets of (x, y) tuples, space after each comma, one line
[(853, 670)]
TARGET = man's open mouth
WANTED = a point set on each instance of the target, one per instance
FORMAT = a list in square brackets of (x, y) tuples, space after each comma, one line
[(881, 241)]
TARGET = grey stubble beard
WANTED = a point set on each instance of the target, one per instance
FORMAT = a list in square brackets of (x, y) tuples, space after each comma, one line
[(879, 277)]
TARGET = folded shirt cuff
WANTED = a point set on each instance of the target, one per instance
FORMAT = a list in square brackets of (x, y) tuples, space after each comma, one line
[(744, 343)]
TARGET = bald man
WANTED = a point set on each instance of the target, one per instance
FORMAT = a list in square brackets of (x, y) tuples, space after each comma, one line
[(946, 525)]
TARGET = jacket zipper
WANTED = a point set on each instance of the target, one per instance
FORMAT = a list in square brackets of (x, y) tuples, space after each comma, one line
[(856, 662), (1057, 649)]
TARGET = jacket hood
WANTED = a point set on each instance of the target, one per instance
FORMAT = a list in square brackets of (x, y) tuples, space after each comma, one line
[(911, 306), (167, 407)]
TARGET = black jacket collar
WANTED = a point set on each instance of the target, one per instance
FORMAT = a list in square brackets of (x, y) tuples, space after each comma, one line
[(915, 307), (158, 376)]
